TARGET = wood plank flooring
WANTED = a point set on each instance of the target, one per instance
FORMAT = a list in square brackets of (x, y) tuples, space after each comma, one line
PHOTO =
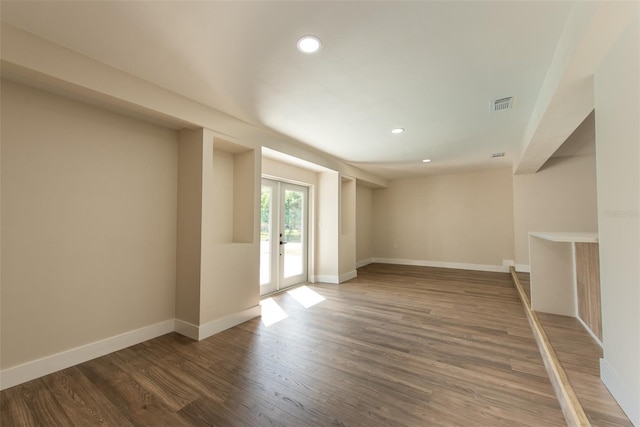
[(525, 281), (579, 356), (398, 346)]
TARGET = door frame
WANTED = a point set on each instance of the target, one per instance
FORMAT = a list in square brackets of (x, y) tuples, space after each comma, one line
[(310, 233)]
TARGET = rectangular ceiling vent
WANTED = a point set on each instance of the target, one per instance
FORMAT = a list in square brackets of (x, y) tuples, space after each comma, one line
[(502, 104)]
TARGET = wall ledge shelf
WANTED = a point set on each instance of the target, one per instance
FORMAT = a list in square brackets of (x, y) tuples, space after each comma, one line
[(565, 276), (569, 237)]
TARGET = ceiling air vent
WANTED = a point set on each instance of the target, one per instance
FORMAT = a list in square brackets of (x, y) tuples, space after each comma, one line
[(502, 104)]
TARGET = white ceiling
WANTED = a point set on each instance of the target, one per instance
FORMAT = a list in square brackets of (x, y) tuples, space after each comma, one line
[(429, 67)]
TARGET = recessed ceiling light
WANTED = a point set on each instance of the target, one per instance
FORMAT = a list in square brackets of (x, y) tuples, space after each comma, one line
[(397, 130), (426, 160), (308, 44)]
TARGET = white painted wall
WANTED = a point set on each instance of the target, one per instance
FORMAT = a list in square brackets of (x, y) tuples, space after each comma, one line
[(454, 219), (617, 89), (89, 213)]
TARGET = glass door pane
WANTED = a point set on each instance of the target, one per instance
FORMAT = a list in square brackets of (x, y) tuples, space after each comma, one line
[(265, 235), (283, 235), (268, 242), (294, 229)]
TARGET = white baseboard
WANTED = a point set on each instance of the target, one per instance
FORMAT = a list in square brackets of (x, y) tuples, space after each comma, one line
[(523, 268), (47, 365), (364, 262), (443, 264), (629, 403), (322, 278), (219, 325), (187, 329), (508, 263), (348, 276)]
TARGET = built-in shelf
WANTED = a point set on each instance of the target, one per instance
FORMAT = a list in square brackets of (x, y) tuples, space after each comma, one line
[(347, 205), (218, 270), (569, 237), (565, 277), (232, 194)]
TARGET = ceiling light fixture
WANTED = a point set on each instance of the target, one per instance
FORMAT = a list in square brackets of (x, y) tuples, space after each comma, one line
[(397, 130), (308, 44), (426, 161)]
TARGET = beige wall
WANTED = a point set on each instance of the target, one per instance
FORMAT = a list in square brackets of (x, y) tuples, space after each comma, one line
[(328, 228), (246, 186), (463, 218), (560, 197), (364, 223), (189, 232), (222, 189), (229, 281), (218, 256), (617, 87), (347, 228), (89, 201), (279, 170)]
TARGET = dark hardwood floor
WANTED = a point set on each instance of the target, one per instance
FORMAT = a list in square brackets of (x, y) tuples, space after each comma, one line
[(398, 346)]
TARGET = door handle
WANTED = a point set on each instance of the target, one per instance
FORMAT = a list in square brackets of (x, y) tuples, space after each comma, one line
[(283, 243)]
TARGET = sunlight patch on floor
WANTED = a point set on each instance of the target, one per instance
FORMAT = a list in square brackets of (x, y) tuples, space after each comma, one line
[(271, 312), (306, 296)]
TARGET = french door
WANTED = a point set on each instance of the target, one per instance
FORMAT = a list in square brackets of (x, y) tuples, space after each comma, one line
[(283, 235)]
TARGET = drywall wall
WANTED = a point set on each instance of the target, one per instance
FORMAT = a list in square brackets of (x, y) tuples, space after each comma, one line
[(189, 231), (246, 181), (328, 228), (561, 196), (284, 171), (364, 224), (230, 267), (218, 256), (222, 189), (347, 228), (448, 219), (89, 212), (617, 87)]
